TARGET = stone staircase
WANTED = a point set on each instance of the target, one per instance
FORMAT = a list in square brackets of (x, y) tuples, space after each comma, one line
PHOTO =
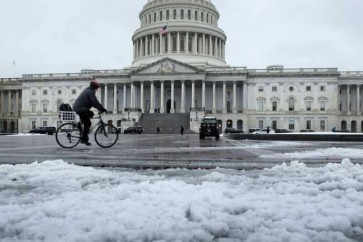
[(168, 123)]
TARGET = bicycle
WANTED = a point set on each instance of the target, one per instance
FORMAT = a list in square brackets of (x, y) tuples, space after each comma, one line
[(69, 134)]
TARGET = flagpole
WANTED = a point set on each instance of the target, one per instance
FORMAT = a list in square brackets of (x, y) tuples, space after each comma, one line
[(14, 67)]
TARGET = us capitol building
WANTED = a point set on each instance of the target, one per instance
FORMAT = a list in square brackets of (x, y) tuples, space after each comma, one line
[(180, 70)]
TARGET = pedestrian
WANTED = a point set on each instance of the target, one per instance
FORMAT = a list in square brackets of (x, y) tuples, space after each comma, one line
[(268, 129), (333, 130), (157, 130), (182, 130)]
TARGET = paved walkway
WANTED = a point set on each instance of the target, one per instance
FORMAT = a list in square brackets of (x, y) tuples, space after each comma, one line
[(162, 151)]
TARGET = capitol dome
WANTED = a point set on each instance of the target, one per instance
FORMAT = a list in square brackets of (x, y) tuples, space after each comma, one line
[(185, 30)]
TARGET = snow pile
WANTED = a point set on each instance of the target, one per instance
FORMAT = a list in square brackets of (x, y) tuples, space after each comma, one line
[(56, 201), (328, 152)]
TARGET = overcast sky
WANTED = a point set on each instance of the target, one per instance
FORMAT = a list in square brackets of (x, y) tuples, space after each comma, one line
[(65, 36)]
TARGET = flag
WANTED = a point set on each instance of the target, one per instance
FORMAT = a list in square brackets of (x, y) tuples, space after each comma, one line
[(164, 29)]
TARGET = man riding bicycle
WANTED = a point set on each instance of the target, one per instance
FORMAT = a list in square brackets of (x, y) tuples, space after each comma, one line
[(86, 100)]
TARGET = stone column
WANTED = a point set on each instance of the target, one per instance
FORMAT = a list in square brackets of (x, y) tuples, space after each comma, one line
[(142, 97), (141, 47), (161, 44), (172, 108), (224, 98), (124, 98), (137, 49), (1, 102), (204, 45), (195, 43), (146, 45), (16, 108), (182, 108), (215, 47), (220, 49), (245, 106), (358, 100), (169, 42), (153, 45), (178, 43), (9, 102), (203, 94), (193, 94), (210, 45), (152, 98), (234, 97), (105, 97), (115, 98), (348, 100), (162, 110), (186, 43), (214, 110), (132, 96)]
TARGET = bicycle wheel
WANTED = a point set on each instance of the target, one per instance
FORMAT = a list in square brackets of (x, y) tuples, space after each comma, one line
[(106, 135), (68, 135)]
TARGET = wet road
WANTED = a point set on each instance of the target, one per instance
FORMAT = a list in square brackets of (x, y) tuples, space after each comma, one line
[(164, 151)]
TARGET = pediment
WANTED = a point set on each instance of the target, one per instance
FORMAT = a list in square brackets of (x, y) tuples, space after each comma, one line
[(167, 66)]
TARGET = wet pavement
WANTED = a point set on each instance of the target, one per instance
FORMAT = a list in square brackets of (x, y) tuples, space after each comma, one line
[(164, 151)]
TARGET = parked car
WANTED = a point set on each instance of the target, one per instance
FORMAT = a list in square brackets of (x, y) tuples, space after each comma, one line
[(281, 131), (307, 130), (134, 130), (233, 131), (264, 131), (253, 130), (43, 130), (209, 127)]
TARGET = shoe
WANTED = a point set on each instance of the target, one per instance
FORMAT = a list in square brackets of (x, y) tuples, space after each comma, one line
[(85, 142)]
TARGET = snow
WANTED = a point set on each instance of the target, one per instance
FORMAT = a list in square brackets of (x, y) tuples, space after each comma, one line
[(328, 152), (57, 201)]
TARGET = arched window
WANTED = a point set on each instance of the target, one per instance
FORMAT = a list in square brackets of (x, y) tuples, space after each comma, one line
[(174, 14), (202, 16), (167, 14), (182, 14), (196, 15), (161, 15), (154, 17), (353, 126), (189, 14), (291, 104), (240, 124)]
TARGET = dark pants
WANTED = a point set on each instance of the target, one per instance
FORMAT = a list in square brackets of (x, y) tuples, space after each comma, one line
[(85, 117)]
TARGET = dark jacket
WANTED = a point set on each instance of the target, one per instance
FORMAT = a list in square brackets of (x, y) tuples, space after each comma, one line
[(86, 100)]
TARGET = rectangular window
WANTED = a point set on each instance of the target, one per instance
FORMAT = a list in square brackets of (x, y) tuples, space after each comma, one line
[(174, 40), (322, 105), (274, 106), (45, 108), (260, 105), (45, 123), (274, 124), (322, 125), (190, 44), (322, 88), (33, 124), (182, 44), (291, 125), (260, 88), (34, 92), (308, 124), (308, 105), (45, 92), (260, 124), (74, 91), (308, 88), (34, 107), (274, 88)]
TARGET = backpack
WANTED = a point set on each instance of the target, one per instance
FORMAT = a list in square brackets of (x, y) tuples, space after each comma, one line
[(65, 107)]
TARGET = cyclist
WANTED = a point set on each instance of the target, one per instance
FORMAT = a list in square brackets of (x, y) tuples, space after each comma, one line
[(86, 100)]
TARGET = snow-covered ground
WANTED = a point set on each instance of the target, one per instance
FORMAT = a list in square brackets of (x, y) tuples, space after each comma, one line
[(57, 201)]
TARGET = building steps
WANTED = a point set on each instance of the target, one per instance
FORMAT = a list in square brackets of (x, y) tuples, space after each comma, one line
[(168, 123)]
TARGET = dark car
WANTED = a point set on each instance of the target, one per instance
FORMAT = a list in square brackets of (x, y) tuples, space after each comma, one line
[(209, 127), (233, 131), (43, 130), (133, 130), (282, 131), (306, 131), (253, 130)]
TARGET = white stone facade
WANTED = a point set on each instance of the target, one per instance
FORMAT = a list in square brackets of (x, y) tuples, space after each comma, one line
[(189, 74)]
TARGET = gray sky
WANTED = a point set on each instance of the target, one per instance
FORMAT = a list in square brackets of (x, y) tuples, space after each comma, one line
[(65, 36)]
